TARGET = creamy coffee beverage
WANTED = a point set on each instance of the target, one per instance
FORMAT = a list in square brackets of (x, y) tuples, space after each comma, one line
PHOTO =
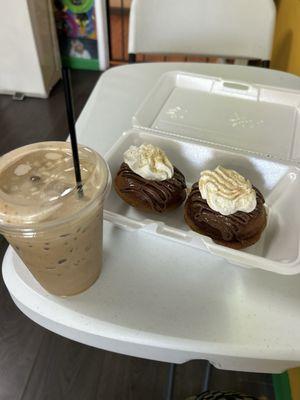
[(56, 232)]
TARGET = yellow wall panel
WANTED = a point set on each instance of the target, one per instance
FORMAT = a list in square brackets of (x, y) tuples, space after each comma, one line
[(286, 51)]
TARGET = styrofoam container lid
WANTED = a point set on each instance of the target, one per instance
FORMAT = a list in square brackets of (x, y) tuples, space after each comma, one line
[(259, 119)]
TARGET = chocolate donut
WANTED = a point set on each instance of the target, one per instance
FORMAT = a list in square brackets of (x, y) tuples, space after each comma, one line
[(150, 195), (238, 230)]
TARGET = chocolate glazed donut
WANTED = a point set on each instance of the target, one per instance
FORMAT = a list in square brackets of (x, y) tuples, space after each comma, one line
[(148, 195), (237, 231)]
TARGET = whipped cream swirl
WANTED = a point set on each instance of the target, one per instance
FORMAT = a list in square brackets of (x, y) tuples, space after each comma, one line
[(226, 191), (149, 162)]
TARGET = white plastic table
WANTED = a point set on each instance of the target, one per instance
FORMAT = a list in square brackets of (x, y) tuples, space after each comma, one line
[(157, 299)]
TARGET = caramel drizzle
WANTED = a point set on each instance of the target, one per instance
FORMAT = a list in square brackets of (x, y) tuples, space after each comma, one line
[(228, 186), (229, 226), (156, 193)]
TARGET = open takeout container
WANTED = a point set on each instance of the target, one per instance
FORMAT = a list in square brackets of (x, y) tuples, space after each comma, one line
[(201, 122)]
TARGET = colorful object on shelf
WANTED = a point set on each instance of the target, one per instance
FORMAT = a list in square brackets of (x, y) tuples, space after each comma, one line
[(77, 33), (78, 6)]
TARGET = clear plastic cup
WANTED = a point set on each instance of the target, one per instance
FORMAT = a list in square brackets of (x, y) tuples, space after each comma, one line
[(56, 233)]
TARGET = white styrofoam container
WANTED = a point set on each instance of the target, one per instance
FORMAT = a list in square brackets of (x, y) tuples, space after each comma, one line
[(202, 122)]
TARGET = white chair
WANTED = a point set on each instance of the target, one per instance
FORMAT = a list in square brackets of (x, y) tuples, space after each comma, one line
[(233, 29)]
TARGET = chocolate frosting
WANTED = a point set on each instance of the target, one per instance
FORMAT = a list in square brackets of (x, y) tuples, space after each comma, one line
[(231, 228), (155, 195)]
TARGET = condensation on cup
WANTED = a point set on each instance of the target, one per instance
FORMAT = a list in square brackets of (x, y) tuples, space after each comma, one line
[(56, 232)]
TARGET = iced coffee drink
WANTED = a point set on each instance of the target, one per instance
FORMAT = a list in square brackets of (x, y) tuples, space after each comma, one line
[(55, 231)]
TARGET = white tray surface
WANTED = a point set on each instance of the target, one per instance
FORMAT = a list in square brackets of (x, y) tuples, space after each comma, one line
[(143, 298)]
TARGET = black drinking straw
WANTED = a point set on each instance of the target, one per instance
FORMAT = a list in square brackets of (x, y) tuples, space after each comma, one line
[(71, 122)]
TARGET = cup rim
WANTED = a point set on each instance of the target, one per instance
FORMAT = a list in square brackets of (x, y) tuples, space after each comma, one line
[(30, 229)]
